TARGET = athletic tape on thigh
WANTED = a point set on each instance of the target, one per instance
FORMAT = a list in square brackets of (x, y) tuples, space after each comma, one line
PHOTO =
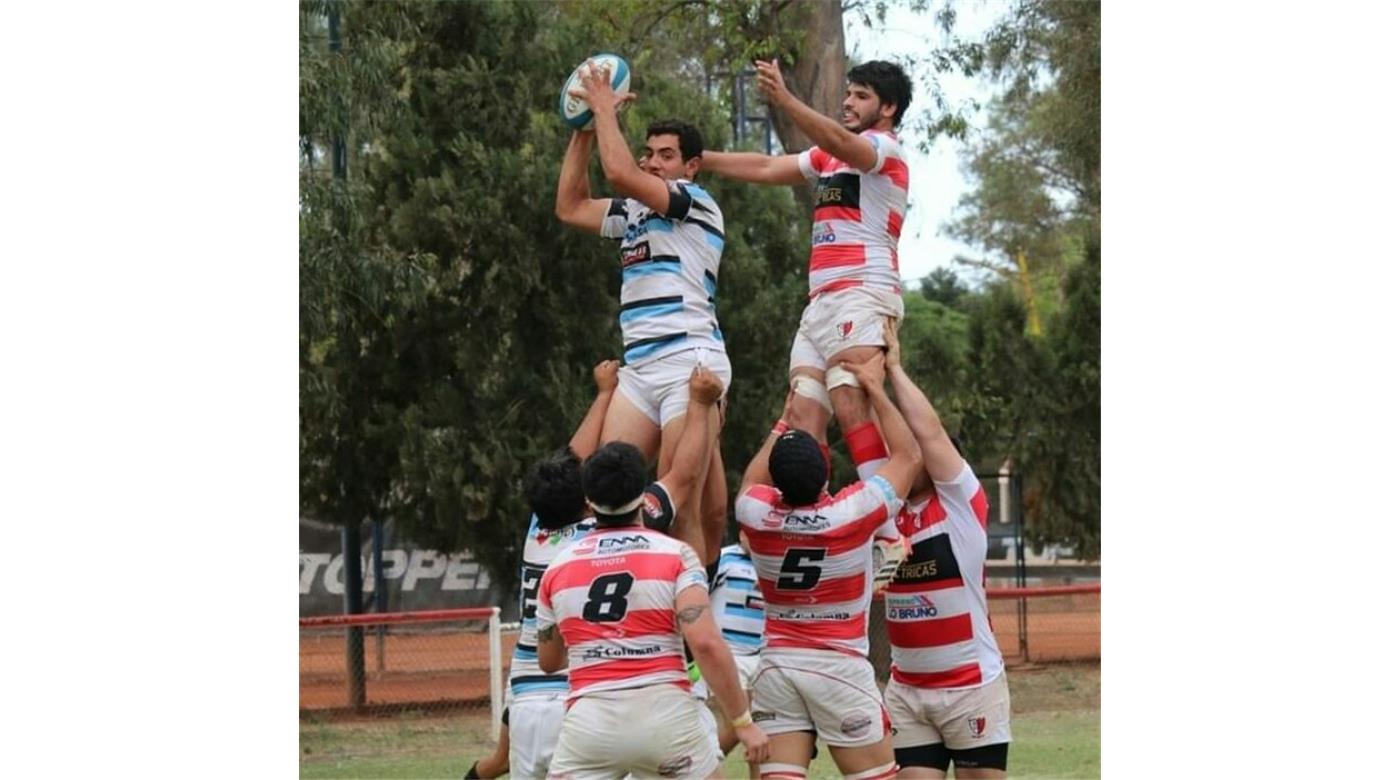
[(781, 772), (878, 773), (837, 376), (807, 387)]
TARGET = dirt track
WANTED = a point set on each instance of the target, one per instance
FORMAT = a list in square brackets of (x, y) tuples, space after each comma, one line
[(441, 667)]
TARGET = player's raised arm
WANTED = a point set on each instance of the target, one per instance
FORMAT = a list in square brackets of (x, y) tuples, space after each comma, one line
[(941, 458), (716, 663), (828, 134), (903, 464), (754, 167), (757, 471), (574, 205), (619, 166), (696, 436), (585, 440)]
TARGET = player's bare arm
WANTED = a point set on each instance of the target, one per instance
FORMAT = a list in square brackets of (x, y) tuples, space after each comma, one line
[(904, 461), (941, 458), (697, 436), (620, 168), (757, 471), (716, 662), (574, 204), (585, 440), (551, 648), (825, 132), (754, 167)]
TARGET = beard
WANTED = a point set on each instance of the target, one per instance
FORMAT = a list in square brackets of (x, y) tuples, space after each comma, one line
[(862, 123)]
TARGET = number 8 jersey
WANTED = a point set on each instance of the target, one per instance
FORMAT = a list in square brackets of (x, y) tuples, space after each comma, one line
[(613, 596), (814, 564)]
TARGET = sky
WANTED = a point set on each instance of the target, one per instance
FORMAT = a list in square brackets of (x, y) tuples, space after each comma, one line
[(935, 179)]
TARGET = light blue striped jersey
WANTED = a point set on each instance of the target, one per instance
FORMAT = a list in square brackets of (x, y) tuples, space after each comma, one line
[(737, 602), (670, 270), (541, 547)]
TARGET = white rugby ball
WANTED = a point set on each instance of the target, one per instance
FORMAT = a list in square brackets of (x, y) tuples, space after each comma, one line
[(575, 110)]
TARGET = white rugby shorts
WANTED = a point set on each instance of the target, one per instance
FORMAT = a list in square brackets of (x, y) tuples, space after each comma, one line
[(832, 322), (661, 388), (535, 720), (819, 690), (649, 732), (960, 718)]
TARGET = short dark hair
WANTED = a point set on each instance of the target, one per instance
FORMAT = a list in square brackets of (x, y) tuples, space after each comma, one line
[(615, 475), (889, 81), (554, 490), (798, 468), (692, 145)]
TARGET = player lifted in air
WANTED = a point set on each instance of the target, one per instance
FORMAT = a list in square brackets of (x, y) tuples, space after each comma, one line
[(947, 694), (672, 235), (618, 602), (812, 553), (862, 185)]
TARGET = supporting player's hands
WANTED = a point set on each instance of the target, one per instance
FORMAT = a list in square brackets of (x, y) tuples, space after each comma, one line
[(770, 81), (870, 374), (597, 89), (705, 387), (755, 742), (605, 376), (891, 343)]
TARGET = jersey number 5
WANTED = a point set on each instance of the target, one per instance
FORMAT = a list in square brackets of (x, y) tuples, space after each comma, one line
[(797, 573), (607, 598)]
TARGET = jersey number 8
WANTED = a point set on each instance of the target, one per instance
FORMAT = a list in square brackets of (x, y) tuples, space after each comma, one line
[(607, 598)]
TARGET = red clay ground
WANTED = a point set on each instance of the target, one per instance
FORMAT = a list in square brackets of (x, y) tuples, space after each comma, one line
[(446, 667)]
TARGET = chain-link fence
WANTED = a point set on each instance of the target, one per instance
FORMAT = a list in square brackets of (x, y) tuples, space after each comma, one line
[(433, 660)]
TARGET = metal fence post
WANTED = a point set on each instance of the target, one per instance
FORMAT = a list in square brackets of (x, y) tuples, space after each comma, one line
[(1022, 618), (354, 605), (497, 695), (381, 593)]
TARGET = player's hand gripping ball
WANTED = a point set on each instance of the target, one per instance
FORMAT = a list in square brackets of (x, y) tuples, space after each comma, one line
[(574, 109)]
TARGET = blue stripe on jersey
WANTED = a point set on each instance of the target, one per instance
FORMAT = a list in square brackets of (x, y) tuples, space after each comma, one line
[(526, 655), (659, 224), (654, 310), (696, 192), (646, 347), (711, 284), (562, 684), (732, 578), (886, 489), (742, 638), (715, 241), (650, 269), (743, 612)]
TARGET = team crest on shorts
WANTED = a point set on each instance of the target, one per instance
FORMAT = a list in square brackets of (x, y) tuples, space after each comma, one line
[(977, 725), (844, 329), (674, 767), (855, 725)]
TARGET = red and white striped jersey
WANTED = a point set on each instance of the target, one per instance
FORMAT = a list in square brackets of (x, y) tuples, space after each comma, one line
[(814, 564), (936, 607), (613, 596), (857, 218)]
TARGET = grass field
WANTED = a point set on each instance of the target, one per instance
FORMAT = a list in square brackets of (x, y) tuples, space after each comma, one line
[(1055, 734)]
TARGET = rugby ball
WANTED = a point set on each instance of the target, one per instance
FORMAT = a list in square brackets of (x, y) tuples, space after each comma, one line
[(575, 110)]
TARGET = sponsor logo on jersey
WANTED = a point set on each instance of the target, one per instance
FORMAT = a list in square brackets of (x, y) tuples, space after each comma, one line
[(762, 715), (977, 725), (637, 253), (616, 544), (907, 607), (843, 329), (806, 522), (605, 652), (793, 614), (774, 519), (823, 234)]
